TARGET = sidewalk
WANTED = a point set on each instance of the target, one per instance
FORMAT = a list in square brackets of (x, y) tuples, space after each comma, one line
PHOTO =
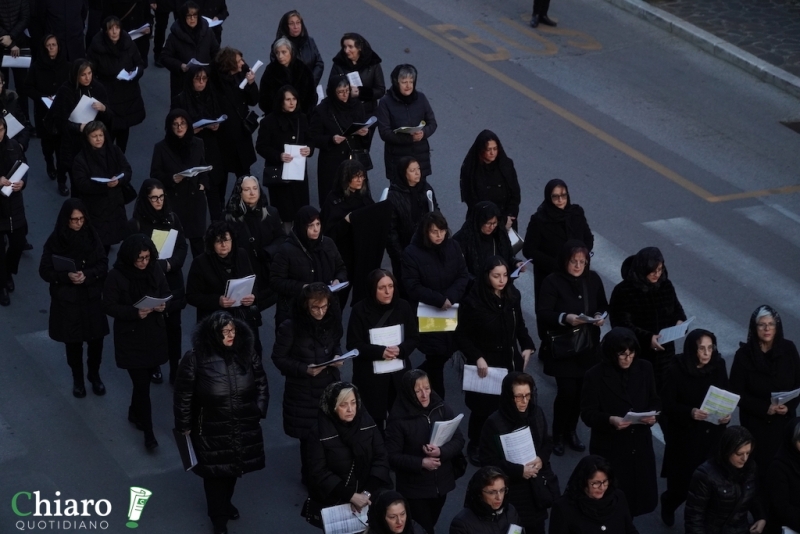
[(760, 36)]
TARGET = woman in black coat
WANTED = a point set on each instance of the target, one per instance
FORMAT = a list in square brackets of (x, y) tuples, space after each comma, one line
[(206, 284), (48, 72), (518, 408), (645, 302), (623, 383), (403, 107), (311, 337), (286, 125), (487, 173), (112, 51), (104, 200), (486, 508), (572, 290), (293, 27), (724, 489), (221, 395), (434, 273), (177, 152), (556, 221), (152, 213), (765, 363), (381, 309), (140, 334), (13, 222), (286, 68), (330, 120), (10, 105), (199, 99), (482, 236), (591, 502), (408, 197), (305, 257), (81, 83), (133, 14), (76, 311), (491, 331), (189, 38), (390, 514), (215, 10), (425, 473), (783, 484), (689, 436), (235, 139), (346, 459), (356, 56)]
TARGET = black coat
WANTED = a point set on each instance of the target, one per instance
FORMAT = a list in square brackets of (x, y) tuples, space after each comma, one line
[(630, 450), (125, 97), (783, 485), (106, 205), (66, 21), (408, 206), (235, 140), (72, 139), (190, 102), (297, 75), (369, 69), (9, 105), (496, 182), (294, 350), (206, 284), (12, 207), (717, 504), (432, 276), (138, 343), (186, 198), (562, 293), (328, 120), (308, 53), (375, 388), (468, 522), (293, 267), (407, 432), (478, 247), (181, 47), (568, 518), (44, 78), (392, 113), (14, 18), (76, 310), (330, 461), (222, 401)]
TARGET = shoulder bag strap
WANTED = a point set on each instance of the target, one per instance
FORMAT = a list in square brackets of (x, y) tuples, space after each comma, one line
[(383, 318)]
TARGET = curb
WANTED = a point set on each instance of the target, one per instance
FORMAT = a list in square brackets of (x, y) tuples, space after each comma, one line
[(712, 44)]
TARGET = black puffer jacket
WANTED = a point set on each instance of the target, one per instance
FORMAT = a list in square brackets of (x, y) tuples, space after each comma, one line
[(369, 69), (12, 208), (184, 44), (408, 431), (408, 204), (718, 504), (222, 397), (477, 517), (299, 343)]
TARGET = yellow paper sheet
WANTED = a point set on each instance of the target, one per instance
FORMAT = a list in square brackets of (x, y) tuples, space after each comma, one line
[(437, 324), (159, 237)]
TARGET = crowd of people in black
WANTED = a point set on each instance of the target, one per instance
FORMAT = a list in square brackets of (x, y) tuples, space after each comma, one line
[(354, 435)]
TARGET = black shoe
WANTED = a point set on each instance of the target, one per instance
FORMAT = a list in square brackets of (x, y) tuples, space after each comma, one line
[(133, 419), (558, 445), (63, 190), (4, 299), (78, 389), (150, 441), (575, 442), (544, 19), (10, 284), (473, 454), (534, 21), (667, 516), (156, 377), (233, 513), (98, 388), (221, 529), (52, 174)]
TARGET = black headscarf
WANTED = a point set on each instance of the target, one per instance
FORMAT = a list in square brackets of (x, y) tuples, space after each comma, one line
[(283, 30), (366, 57), (209, 333), (43, 61), (324, 330), (472, 161), (598, 510), (237, 208), (305, 216), (508, 408), (362, 457), (74, 76), (636, 268), (733, 438), (377, 514), (485, 245), (566, 254), (689, 361), (288, 121), (180, 145), (142, 281), (408, 397), (196, 33), (473, 499), (618, 340), (201, 104), (547, 210), (483, 292), (335, 103), (143, 210), (101, 159), (752, 329), (69, 243), (395, 89)]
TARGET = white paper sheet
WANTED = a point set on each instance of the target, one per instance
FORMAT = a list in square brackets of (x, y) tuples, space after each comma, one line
[(106, 180), (718, 403), (138, 32), (48, 101), (338, 287), (593, 319), (382, 367), (193, 61), (320, 94), (633, 417), (355, 79), (387, 336), (83, 112), (126, 76), (254, 69), (295, 170), (206, 122), (13, 125), (514, 529), (491, 384), (429, 194), (410, 129), (346, 356), (194, 171), (384, 195), (518, 446), (782, 397), (151, 302), (237, 288), (518, 270), (342, 519), (16, 176), (787, 530), (425, 310), (672, 333), (214, 23), (443, 431), (21, 62)]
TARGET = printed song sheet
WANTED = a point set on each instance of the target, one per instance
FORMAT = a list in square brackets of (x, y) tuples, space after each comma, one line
[(514, 529), (718, 404), (239, 288), (518, 446), (48, 101), (214, 23), (355, 79), (782, 397), (19, 62), (592, 320), (83, 112), (518, 270), (346, 356), (138, 32), (343, 520), (674, 332), (295, 170), (491, 384), (126, 76), (443, 431), (147, 303), (410, 129), (13, 126), (336, 287), (634, 417), (106, 180), (381, 367), (388, 336), (433, 319), (194, 171), (206, 122)]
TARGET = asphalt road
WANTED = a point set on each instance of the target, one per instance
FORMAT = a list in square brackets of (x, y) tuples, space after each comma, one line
[(660, 143)]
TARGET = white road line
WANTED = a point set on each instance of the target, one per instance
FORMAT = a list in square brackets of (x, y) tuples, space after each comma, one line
[(774, 218)]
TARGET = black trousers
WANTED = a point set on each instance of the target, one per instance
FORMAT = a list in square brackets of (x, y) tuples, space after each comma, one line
[(481, 407), (140, 398), (219, 491), (426, 512), (677, 490), (160, 30), (174, 337), (10, 256), (94, 355), (567, 405), (49, 148), (215, 194), (540, 7), (19, 86), (196, 245), (120, 136), (434, 366)]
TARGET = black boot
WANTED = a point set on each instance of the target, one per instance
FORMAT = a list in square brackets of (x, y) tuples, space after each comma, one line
[(667, 513), (155, 375), (233, 512), (78, 388), (98, 388), (5, 300), (534, 21), (150, 441), (544, 19), (558, 444), (472, 453), (575, 442), (76, 366)]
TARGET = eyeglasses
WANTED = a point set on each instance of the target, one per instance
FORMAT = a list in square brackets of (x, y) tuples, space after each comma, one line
[(557, 197), (226, 332), (490, 224), (627, 355), (766, 326), (359, 176), (143, 259), (496, 493), (77, 219), (525, 397), (319, 308), (597, 484), (343, 92), (577, 263), (154, 198), (179, 124), (192, 15), (201, 78), (223, 240)]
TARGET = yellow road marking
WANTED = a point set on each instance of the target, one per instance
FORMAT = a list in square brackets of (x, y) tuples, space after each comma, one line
[(470, 39), (550, 48), (785, 190)]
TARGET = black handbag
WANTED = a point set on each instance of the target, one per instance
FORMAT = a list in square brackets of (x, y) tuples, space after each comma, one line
[(312, 512), (577, 340), (545, 488), (459, 465), (362, 156), (250, 121), (128, 193)]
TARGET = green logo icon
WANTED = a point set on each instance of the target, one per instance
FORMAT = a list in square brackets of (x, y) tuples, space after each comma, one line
[(139, 497)]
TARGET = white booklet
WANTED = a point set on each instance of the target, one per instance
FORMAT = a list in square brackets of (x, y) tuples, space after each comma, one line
[(214, 23), (518, 446), (19, 62), (194, 171), (145, 303), (206, 122), (253, 69), (718, 404), (13, 125), (518, 270), (83, 112), (165, 242), (106, 180), (672, 333), (48, 101), (320, 94), (592, 319), (342, 519), (17, 173), (491, 384), (138, 32), (443, 431), (193, 61), (295, 170), (238, 288), (388, 336), (355, 79), (410, 129), (126, 76), (782, 397), (346, 356), (634, 417), (382, 367), (337, 287)]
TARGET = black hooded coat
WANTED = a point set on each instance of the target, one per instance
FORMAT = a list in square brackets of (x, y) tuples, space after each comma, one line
[(44, 78), (378, 510), (235, 140), (496, 181), (295, 74), (12, 207)]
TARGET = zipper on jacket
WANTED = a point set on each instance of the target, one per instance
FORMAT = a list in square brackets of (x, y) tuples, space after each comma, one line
[(200, 423)]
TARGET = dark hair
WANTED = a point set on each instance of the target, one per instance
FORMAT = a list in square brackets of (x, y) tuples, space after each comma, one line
[(283, 24), (402, 166), (584, 471), (226, 59), (358, 41), (151, 184), (576, 249), (488, 266), (432, 218), (217, 231), (79, 66), (93, 127), (488, 474), (281, 95), (523, 379), (348, 169), (733, 439), (315, 291), (618, 340), (374, 277), (110, 22), (185, 7)]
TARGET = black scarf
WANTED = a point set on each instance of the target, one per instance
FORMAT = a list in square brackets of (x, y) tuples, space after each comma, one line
[(180, 145), (362, 455), (688, 360), (78, 245), (508, 407), (598, 510), (142, 282), (395, 89), (548, 211), (144, 211), (322, 264)]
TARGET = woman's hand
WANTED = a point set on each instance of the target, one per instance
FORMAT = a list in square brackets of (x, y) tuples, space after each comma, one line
[(532, 469), (447, 304), (338, 139), (184, 67), (699, 415), (417, 136), (526, 357), (4, 181), (649, 420), (573, 320), (483, 367), (654, 344), (431, 464), (725, 420), (601, 322), (314, 371), (363, 131), (226, 302), (146, 31), (521, 266), (359, 501), (305, 151), (99, 106), (286, 158), (510, 222), (14, 51), (248, 300), (390, 353), (432, 451), (161, 307), (177, 178), (82, 126), (6, 40), (354, 91), (333, 282), (618, 422), (250, 77), (113, 183), (779, 409), (198, 130), (758, 526), (77, 277), (144, 312), (187, 432), (213, 127)]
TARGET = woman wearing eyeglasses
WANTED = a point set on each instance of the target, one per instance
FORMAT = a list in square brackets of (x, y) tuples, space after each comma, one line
[(189, 38), (140, 334), (177, 152), (622, 383), (486, 509), (592, 502), (532, 486)]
